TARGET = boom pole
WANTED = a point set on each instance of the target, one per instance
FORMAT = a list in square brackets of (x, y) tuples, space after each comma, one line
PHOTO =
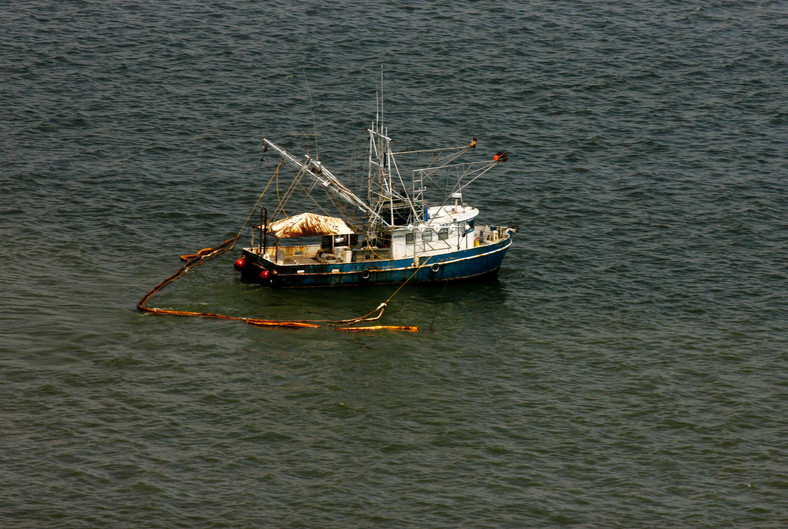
[(318, 172)]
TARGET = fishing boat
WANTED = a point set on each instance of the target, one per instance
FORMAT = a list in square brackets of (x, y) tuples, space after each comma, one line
[(399, 233)]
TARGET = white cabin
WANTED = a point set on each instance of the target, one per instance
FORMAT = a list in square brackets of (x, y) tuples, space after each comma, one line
[(448, 228)]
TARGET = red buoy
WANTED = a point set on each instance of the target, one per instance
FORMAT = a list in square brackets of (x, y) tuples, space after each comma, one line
[(239, 264), (264, 274)]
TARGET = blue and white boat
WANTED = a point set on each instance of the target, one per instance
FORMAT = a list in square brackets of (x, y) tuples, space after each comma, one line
[(396, 235)]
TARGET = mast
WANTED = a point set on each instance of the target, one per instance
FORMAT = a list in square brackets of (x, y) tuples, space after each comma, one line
[(379, 185), (382, 193)]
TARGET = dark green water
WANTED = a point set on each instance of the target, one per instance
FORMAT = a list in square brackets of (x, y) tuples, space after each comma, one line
[(627, 369)]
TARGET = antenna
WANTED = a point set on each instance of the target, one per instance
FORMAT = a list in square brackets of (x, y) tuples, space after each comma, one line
[(382, 121), (312, 108)]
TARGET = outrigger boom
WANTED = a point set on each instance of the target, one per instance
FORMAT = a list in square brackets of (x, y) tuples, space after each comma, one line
[(321, 174)]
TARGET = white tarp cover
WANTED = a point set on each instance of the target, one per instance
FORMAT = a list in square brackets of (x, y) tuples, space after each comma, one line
[(306, 224)]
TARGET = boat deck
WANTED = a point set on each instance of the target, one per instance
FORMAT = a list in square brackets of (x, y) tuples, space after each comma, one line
[(299, 260)]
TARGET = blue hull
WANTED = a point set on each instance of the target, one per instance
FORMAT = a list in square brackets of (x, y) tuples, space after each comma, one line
[(476, 262)]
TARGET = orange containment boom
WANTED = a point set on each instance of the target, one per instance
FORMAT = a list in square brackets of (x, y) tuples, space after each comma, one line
[(207, 254), (406, 328), (273, 323)]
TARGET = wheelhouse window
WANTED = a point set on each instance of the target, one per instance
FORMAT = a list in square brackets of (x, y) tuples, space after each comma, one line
[(410, 238), (443, 234), (427, 236)]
